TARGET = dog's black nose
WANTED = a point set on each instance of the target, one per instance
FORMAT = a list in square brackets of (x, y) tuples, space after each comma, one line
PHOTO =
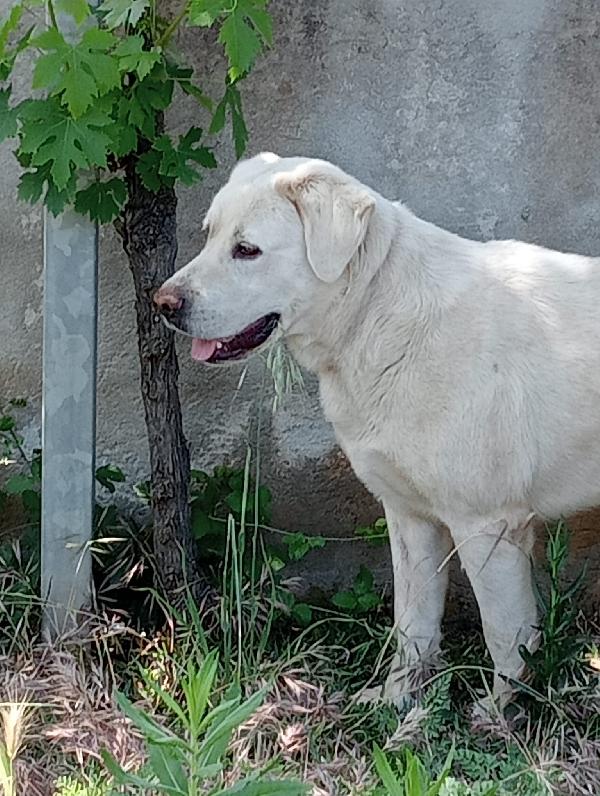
[(168, 301)]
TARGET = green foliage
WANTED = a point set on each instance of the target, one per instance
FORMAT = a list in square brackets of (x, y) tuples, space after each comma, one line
[(376, 533), (76, 74), (214, 497), (190, 757), (232, 103), (166, 163), (106, 90), (108, 475), (117, 13), (246, 28), (8, 116), (362, 598), (102, 200), (21, 479), (299, 612), (561, 646), (413, 779), (299, 545), (256, 633), (241, 33), (74, 786)]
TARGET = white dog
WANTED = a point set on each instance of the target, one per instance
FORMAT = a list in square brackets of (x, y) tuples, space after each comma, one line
[(462, 378)]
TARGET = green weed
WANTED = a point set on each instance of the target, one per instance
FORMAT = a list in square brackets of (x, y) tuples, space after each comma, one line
[(190, 758)]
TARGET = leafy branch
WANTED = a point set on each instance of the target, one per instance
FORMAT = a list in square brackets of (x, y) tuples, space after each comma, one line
[(106, 90)]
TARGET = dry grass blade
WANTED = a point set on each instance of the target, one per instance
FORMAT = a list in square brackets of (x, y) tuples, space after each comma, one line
[(75, 715), (294, 716)]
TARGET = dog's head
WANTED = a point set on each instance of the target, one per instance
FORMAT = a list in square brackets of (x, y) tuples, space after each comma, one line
[(281, 233)]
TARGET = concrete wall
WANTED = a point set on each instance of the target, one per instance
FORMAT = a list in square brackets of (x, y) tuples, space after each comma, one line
[(483, 115)]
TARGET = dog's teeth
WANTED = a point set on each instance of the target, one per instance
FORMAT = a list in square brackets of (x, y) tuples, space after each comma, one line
[(219, 345)]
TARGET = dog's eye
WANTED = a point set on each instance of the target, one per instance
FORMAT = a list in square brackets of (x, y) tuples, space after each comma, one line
[(245, 251)]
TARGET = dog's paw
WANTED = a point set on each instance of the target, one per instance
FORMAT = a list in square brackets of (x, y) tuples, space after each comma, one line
[(496, 706), (485, 710), (404, 685)]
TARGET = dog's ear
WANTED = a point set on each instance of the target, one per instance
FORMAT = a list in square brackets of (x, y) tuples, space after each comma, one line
[(335, 211)]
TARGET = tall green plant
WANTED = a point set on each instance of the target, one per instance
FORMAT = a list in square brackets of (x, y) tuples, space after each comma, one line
[(96, 140), (191, 758)]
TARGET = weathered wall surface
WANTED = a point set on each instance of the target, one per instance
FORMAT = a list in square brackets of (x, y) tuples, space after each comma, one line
[(482, 115)]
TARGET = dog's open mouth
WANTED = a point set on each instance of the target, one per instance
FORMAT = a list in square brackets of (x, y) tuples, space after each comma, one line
[(226, 349)]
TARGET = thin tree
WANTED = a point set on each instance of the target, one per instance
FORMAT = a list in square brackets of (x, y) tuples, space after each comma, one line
[(97, 141)]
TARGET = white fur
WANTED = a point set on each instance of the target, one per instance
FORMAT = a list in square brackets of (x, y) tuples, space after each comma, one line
[(462, 378)]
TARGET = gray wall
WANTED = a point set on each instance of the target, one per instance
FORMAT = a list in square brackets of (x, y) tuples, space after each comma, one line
[(482, 115)]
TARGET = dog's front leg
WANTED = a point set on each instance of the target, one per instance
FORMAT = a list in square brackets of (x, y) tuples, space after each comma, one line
[(419, 548), (495, 553)]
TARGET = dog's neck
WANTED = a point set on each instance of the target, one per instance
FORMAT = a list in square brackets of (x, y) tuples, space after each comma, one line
[(400, 270)]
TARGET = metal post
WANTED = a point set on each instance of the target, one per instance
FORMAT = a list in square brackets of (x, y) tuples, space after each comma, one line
[(68, 409), (68, 416)]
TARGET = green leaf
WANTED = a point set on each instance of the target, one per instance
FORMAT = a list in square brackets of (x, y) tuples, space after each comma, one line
[(387, 776), (31, 184), (345, 600), (201, 522), (78, 9), (238, 125), (147, 167), (79, 72), (165, 163), (9, 25), (7, 423), (102, 201), (183, 76), (149, 727), (219, 733), (188, 150), (204, 12), (366, 602), (232, 101), (299, 544), (155, 94), (261, 19), (123, 133), (363, 583), (198, 686), (123, 777), (165, 765), (134, 58), (302, 613), (18, 484), (123, 12), (79, 89), (169, 163), (57, 199), (249, 787), (52, 136), (219, 116), (8, 116), (241, 44), (107, 475)]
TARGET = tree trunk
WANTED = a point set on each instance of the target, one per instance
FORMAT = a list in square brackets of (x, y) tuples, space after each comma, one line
[(148, 229)]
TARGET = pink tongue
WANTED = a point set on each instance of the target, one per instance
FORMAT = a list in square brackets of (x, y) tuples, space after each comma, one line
[(203, 349)]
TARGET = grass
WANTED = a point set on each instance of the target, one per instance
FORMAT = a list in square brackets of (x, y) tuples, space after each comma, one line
[(304, 724), (260, 694)]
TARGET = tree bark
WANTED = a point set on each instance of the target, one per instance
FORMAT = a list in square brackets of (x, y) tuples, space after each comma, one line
[(148, 230)]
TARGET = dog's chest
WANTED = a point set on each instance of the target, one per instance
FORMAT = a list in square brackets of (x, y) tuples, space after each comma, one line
[(386, 436)]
